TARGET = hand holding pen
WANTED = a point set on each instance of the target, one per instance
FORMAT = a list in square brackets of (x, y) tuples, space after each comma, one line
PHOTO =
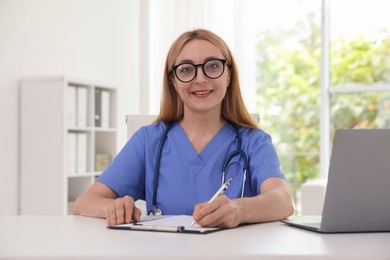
[(220, 191)]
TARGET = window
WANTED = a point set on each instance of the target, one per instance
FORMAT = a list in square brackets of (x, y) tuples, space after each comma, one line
[(359, 64), (338, 69), (288, 55)]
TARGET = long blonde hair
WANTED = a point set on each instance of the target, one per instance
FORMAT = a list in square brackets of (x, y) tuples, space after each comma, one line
[(233, 107)]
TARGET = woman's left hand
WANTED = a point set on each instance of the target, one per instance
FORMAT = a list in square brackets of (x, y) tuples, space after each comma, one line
[(222, 212)]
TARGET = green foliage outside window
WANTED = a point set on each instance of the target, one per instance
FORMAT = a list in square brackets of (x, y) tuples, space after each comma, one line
[(288, 93)]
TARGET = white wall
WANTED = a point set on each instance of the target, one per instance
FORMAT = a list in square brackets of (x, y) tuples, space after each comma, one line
[(92, 40)]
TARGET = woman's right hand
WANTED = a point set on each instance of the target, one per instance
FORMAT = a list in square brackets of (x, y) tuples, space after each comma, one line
[(122, 210), (100, 201)]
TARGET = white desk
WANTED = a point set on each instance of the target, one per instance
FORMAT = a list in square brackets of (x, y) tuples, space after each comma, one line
[(76, 237)]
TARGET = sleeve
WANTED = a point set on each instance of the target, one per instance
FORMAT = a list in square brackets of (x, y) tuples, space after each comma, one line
[(126, 173), (263, 159)]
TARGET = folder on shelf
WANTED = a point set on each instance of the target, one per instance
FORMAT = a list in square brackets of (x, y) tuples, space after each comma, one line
[(72, 152), (82, 152), (98, 108), (82, 107), (71, 92), (105, 108), (166, 223)]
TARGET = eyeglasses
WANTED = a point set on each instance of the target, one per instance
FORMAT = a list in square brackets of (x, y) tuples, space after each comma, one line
[(213, 69)]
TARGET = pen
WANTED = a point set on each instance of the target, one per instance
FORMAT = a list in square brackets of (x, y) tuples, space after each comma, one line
[(219, 192), (157, 228)]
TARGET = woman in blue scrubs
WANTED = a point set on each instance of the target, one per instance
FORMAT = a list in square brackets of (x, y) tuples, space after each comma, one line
[(203, 108)]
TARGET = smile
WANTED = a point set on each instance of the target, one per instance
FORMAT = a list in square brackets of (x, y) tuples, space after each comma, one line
[(202, 92)]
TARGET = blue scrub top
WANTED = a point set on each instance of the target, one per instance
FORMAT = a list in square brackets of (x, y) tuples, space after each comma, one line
[(187, 178)]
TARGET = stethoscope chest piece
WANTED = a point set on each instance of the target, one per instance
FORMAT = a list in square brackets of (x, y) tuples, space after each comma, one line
[(155, 211)]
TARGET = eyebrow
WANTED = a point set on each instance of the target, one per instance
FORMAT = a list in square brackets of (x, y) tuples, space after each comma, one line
[(205, 60)]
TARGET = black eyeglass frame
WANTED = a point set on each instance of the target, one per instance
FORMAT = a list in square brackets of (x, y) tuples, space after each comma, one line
[(223, 61)]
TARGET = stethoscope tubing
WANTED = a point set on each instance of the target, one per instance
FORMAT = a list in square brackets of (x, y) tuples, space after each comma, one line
[(157, 170), (238, 151)]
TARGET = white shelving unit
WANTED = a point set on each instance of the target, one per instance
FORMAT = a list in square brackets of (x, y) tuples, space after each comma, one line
[(48, 184)]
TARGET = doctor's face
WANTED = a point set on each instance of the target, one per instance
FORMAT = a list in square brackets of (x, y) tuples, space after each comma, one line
[(201, 76)]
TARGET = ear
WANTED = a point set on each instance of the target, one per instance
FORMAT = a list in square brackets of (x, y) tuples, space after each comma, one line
[(228, 78), (173, 82)]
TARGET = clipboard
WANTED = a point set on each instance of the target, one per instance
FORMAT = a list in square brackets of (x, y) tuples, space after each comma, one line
[(166, 223)]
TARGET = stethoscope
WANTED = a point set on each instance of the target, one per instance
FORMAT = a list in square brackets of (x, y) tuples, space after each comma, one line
[(155, 210)]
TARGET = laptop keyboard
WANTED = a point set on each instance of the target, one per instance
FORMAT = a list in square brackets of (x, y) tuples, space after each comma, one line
[(311, 224)]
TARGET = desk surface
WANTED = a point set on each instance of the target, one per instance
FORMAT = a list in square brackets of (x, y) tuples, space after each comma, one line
[(76, 237)]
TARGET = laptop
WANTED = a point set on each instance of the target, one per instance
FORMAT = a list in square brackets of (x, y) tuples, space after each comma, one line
[(357, 196)]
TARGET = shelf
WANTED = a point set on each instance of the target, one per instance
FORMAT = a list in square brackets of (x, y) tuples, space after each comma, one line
[(60, 140), (82, 175), (100, 129)]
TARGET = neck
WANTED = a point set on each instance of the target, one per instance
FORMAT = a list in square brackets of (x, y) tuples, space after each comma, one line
[(201, 128), (202, 122)]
